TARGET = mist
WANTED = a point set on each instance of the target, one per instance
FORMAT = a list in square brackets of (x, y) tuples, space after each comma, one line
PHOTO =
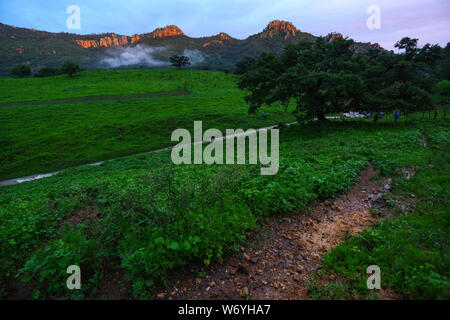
[(195, 56), (127, 56), (143, 55)]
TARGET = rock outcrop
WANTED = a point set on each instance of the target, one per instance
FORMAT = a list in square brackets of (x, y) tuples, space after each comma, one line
[(115, 40), (333, 35), (218, 40), (109, 41), (167, 31), (358, 47), (277, 26), (136, 38)]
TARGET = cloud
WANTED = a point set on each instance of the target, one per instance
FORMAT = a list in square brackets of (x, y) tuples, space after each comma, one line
[(128, 56), (195, 56), (143, 55)]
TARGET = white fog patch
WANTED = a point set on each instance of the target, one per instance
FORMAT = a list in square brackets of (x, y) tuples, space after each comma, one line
[(127, 56), (195, 56)]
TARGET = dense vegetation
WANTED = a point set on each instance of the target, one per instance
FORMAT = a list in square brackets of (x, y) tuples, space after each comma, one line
[(142, 218), (329, 77), (155, 217), (411, 244), (21, 70)]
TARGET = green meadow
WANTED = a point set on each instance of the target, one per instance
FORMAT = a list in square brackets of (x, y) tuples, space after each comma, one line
[(144, 218), (44, 137)]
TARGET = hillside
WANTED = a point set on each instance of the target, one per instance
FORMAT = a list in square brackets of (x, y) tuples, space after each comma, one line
[(71, 123), (219, 52)]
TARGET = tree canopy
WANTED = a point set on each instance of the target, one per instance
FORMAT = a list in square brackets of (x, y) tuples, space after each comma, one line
[(70, 68), (179, 61), (322, 77), (21, 70)]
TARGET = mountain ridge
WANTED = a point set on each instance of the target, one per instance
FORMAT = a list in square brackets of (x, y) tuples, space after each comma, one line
[(221, 51)]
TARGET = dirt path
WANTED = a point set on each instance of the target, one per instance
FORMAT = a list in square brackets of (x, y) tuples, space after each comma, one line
[(282, 257), (95, 98)]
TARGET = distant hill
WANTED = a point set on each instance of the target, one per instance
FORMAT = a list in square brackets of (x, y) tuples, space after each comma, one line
[(219, 52)]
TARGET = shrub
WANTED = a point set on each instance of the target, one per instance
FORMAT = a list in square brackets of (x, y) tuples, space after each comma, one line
[(21, 70), (70, 68), (47, 72), (48, 265)]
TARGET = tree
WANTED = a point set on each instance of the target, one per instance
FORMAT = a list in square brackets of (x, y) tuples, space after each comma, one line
[(47, 72), (21, 70), (323, 78), (403, 81), (179, 61), (410, 47), (319, 77), (70, 68), (243, 65)]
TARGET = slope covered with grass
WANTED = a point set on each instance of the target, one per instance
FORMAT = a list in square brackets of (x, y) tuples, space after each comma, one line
[(144, 217), (44, 138)]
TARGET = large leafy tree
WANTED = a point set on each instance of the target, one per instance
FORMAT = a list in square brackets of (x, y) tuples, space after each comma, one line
[(319, 77), (400, 82), (323, 78)]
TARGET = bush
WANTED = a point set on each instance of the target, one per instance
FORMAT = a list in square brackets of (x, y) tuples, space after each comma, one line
[(48, 265), (70, 68), (47, 72), (21, 70)]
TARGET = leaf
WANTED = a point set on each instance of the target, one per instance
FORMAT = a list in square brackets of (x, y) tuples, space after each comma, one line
[(173, 245)]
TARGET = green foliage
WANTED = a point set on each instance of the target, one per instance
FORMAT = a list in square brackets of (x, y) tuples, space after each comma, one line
[(326, 78), (411, 249), (47, 72), (244, 65), (179, 61), (21, 70), (442, 89), (47, 266), (70, 68), (151, 218), (157, 222)]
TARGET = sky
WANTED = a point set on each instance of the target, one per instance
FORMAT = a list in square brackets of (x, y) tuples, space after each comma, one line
[(428, 20)]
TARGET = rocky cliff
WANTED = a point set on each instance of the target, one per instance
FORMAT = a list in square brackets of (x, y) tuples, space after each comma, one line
[(276, 27), (114, 40), (108, 41)]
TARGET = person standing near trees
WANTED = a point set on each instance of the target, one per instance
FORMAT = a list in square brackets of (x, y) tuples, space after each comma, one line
[(396, 116)]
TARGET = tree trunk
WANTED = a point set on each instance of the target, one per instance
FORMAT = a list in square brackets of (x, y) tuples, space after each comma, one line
[(321, 117)]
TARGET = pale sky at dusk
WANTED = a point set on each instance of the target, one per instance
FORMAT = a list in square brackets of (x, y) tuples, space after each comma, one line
[(428, 20)]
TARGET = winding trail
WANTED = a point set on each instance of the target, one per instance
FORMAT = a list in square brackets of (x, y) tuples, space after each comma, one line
[(282, 257), (39, 176)]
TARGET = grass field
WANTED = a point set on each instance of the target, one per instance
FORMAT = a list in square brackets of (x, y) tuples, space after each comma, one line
[(142, 217), (47, 137)]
